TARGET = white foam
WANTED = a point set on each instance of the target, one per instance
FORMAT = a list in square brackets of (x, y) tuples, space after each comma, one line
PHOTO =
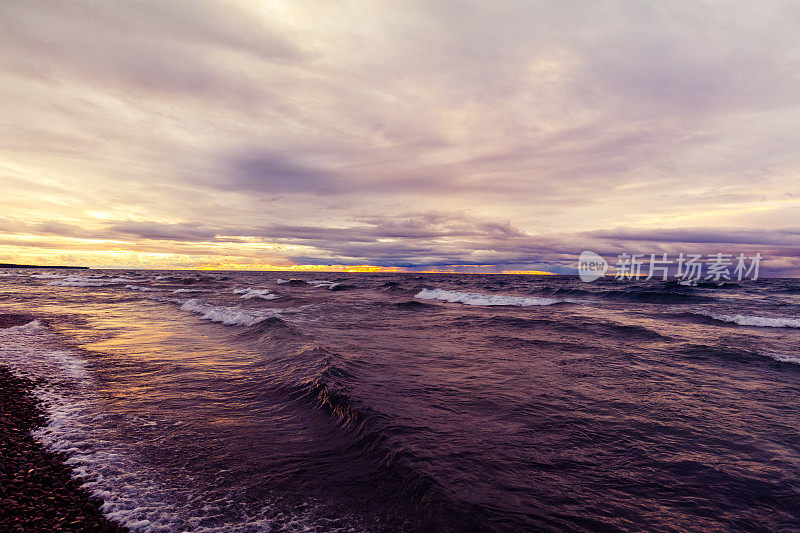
[(474, 298), (92, 281), (30, 328), (756, 321), (230, 316), (162, 299), (39, 362), (48, 276), (282, 281), (79, 426), (331, 285), (181, 291), (78, 283), (264, 294), (783, 358), (142, 288)]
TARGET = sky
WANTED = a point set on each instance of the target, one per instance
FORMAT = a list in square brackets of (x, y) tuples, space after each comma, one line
[(417, 135)]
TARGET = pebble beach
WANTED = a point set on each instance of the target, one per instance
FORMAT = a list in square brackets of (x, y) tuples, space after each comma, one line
[(37, 489)]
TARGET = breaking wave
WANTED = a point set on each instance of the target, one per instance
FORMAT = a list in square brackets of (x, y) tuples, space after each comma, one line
[(474, 298), (47, 275), (292, 281), (82, 281), (330, 285), (230, 316), (264, 294), (756, 321), (142, 288), (783, 358), (182, 291)]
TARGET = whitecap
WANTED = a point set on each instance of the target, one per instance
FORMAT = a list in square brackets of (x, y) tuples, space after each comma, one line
[(94, 281), (331, 285), (181, 291), (756, 321), (230, 316), (783, 358), (142, 288), (474, 298), (248, 294), (33, 326)]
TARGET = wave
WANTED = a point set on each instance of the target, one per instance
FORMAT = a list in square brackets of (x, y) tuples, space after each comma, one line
[(580, 326), (293, 282), (34, 326), (271, 327), (181, 291), (783, 358), (413, 305), (474, 298), (785, 290), (230, 316), (78, 425), (566, 291), (734, 353), (14, 319), (330, 285), (82, 282), (99, 281), (756, 321), (377, 441), (264, 294), (168, 300), (669, 294), (142, 288), (393, 286), (322, 283)]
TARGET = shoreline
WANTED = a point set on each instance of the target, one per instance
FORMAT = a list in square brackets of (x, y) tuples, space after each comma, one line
[(61, 267), (37, 489)]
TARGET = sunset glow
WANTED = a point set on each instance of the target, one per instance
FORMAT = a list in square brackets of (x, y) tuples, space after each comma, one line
[(280, 135), (399, 266)]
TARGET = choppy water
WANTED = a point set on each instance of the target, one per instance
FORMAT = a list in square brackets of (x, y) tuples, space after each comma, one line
[(385, 402)]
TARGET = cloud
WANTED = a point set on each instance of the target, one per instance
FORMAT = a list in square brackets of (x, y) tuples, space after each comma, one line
[(437, 133), (173, 48), (166, 232), (781, 237)]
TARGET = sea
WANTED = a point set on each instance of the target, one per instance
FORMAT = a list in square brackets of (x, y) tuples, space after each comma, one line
[(295, 401)]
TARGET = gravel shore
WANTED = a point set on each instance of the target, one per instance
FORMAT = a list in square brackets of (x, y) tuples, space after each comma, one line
[(37, 491)]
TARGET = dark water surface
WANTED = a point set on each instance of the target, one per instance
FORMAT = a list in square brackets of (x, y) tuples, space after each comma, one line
[(385, 402)]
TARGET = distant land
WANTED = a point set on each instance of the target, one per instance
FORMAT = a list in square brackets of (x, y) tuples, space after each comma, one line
[(12, 265)]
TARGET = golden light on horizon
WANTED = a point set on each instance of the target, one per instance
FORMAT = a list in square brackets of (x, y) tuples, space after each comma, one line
[(529, 272)]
